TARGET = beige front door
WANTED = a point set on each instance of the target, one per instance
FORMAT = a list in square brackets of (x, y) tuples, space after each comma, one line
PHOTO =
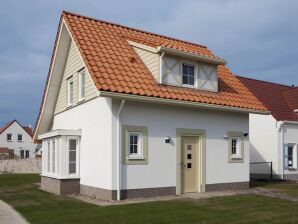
[(189, 165)]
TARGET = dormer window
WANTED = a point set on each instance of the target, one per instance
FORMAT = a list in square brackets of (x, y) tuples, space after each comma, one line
[(188, 74)]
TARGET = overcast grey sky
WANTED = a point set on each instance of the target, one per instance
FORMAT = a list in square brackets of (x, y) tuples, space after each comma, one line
[(259, 39)]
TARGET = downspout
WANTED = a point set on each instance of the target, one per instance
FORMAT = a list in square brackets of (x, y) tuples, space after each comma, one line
[(119, 151), (160, 67)]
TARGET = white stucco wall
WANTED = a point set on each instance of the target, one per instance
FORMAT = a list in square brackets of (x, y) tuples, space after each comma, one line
[(263, 137), (16, 145), (266, 142), (94, 118), (163, 120)]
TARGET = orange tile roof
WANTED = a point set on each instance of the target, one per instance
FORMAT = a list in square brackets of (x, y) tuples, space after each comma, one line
[(108, 57), (281, 100), (114, 66)]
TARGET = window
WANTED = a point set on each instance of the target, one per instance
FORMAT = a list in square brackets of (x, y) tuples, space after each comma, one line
[(236, 147), (22, 154), (69, 91), (20, 137), (72, 155), (9, 137), (49, 157), (53, 155), (290, 157), (135, 145), (82, 84), (188, 74), (27, 153)]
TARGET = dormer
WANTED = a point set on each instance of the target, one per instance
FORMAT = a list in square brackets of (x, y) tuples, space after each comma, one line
[(179, 68)]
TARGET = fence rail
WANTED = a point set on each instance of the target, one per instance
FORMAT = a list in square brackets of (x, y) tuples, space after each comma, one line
[(261, 171)]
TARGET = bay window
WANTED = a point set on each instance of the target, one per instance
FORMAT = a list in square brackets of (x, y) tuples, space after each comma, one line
[(61, 150)]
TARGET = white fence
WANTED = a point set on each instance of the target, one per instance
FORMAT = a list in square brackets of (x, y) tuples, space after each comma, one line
[(20, 165)]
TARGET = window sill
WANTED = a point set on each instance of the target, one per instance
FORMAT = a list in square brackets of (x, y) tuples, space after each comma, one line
[(236, 158), (135, 158), (81, 101), (9, 140), (189, 86), (69, 106), (20, 140)]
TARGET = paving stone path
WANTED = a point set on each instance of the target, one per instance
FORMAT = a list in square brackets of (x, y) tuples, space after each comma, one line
[(9, 216), (274, 194)]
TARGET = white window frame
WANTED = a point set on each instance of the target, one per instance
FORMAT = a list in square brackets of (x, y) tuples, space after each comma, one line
[(82, 84), (53, 156), (77, 156), (49, 156), (21, 137), (193, 64), (9, 140), (294, 156), (236, 155), (139, 154), (70, 95)]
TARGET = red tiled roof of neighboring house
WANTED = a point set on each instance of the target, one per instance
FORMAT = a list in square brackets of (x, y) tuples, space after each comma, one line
[(29, 130), (280, 99), (115, 67), (7, 125), (292, 97), (4, 150)]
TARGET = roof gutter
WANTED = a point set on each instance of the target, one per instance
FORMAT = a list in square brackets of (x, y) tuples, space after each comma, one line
[(200, 57), (179, 102), (290, 122)]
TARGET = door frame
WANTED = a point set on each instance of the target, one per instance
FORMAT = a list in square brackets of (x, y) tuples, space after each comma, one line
[(201, 134)]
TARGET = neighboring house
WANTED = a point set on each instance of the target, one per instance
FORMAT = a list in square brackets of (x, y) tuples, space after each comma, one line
[(274, 138), (128, 113), (18, 139)]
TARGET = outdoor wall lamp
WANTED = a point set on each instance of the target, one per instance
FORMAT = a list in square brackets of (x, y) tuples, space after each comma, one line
[(167, 139)]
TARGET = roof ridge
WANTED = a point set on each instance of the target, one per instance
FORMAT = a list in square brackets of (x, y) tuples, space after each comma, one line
[(259, 80), (135, 29)]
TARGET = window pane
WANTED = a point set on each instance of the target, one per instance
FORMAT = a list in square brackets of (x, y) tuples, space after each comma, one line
[(82, 84), (135, 149), (184, 69), (72, 144), (27, 153), (22, 154), (185, 79), (191, 71), (131, 149), (191, 80), (135, 139), (72, 156), (72, 167)]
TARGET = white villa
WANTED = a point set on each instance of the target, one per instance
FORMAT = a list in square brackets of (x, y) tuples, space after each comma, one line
[(274, 137), (17, 139), (129, 113)]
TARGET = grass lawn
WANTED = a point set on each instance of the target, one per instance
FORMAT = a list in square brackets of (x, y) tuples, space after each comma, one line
[(41, 207), (289, 188)]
